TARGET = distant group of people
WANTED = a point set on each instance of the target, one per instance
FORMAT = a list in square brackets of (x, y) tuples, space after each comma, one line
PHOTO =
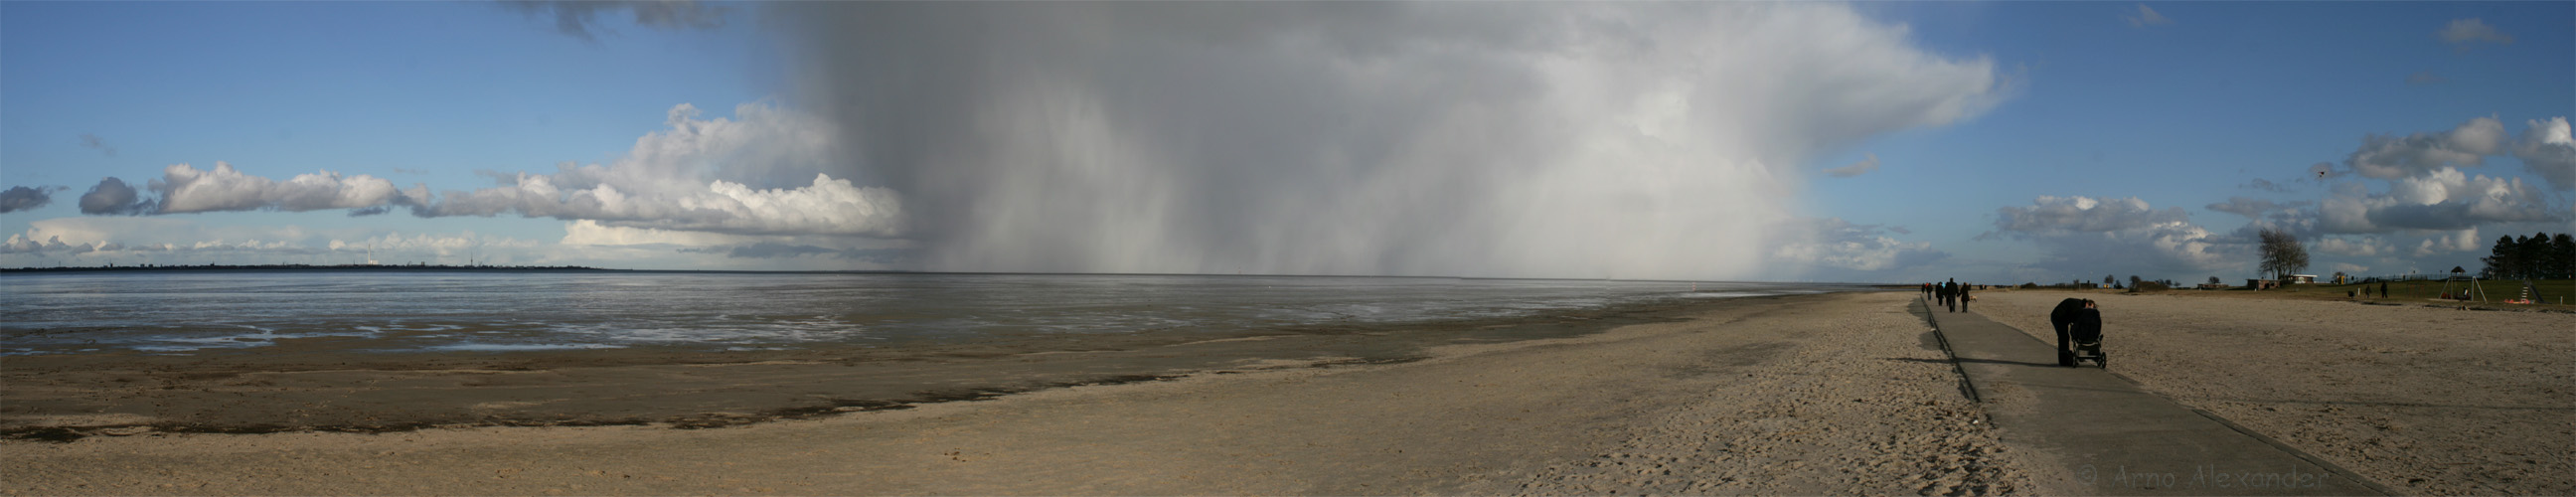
[(1951, 294)]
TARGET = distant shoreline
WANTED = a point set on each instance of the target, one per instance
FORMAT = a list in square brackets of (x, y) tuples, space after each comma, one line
[(304, 267), (547, 269)]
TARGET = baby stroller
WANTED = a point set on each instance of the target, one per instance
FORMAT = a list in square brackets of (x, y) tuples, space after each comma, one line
[(2088, 346), (2079, 329)]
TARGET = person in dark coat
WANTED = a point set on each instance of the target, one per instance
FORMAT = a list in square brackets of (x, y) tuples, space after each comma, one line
[(2063, 318), (1950, 294), (1962, 297), (1927, 291)]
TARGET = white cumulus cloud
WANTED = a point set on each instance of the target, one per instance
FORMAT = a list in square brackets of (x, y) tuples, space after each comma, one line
[(2442, 200), (2124, 235), (2147, 17), (761, 174), (1839, 244), (2458, 241), (186, 189), (183, 188), (2392, 157), (2351, 247)]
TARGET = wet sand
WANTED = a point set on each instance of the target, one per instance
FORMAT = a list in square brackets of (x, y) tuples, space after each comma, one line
[(346, 384), (2425, 400), (1838, 393)]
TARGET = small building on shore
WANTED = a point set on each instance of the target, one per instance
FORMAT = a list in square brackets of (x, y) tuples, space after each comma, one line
[(2299, 279)]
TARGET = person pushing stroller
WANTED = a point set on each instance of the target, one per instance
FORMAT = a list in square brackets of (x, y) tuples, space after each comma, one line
[(2079, 332)]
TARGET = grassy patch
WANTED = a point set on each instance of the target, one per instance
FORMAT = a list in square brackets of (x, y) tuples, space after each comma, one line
[(2551, 292)]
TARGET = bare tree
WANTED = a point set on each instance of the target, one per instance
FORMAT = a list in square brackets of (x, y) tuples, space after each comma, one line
[(2282, 253), (2213, 280)]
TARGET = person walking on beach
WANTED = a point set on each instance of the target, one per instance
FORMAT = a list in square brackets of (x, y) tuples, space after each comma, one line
[(1950, 294), (1927, 291), (2383, 289), (1962, 297)]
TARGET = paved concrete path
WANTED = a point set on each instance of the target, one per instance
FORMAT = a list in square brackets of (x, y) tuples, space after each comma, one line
[(2105, 435)]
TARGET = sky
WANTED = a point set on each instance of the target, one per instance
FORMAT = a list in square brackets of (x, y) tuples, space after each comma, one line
[(1997, 142)]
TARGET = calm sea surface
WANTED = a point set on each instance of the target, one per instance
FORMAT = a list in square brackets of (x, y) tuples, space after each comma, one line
[(188, 312)]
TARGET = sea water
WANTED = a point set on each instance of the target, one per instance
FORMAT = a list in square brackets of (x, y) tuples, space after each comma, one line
[(183, 312)]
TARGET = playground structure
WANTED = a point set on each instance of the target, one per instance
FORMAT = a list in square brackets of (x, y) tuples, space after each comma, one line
[(2469, 288)]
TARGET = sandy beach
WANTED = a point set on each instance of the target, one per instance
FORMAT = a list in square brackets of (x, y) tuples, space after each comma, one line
[(2423, 400), (1822, 394), (1837, 393)]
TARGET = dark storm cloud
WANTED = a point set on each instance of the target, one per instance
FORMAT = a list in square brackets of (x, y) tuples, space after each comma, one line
[(111, 196), (19, 198), (580, 19)]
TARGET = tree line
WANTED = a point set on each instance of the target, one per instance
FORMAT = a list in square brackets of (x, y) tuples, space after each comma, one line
[(2540, 256)]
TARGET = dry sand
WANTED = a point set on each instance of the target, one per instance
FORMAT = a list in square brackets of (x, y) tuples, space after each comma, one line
[(1805, 395), (2427, 400)]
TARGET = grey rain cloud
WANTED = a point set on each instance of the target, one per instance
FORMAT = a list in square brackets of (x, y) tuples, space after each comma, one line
[(19, 198), (2266, 185), (91, 141), (2548, 149), (2465, 32), (770, 250), (580, 18), (1493, 139), (2251, 207), (1856, 168)]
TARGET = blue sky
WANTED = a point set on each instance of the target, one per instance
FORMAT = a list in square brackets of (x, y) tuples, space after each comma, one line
[(2182, 108)]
